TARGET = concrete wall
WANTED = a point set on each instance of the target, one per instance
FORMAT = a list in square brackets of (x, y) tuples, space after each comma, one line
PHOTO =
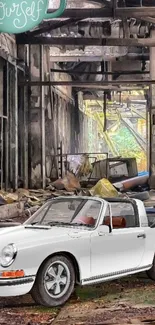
[(58, 108), (60, 119), (89, 139), (1, 86)]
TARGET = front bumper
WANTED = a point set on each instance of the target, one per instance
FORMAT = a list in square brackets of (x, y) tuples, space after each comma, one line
[(16, 287)]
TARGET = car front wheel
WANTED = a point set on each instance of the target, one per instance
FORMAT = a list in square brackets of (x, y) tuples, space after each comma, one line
[(54, 282)]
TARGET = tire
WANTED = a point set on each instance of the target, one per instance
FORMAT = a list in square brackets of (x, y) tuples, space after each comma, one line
[(151, 272), (49, 290), (140, 196)]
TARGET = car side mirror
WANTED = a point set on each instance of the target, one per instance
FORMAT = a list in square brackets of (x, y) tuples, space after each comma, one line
[(103, 230)]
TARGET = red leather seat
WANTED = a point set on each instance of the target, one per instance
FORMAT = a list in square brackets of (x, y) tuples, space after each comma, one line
[(117, 222), (85, 220)]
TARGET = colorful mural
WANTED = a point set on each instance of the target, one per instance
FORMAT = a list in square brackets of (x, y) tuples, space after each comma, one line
[(127, 146), (125, 135)]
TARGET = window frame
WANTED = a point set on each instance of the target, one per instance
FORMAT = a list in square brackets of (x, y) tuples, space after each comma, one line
[(62, 198), (134, 205)]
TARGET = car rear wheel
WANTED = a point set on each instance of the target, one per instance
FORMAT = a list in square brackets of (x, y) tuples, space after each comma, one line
[(54, 282)]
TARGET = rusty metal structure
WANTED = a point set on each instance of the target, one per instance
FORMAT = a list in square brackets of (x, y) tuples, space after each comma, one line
[(95, 48)]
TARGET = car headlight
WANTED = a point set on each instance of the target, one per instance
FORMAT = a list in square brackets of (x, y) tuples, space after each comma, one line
[(8, 255)]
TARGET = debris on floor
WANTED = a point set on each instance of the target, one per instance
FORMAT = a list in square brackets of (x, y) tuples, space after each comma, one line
[(79, 165), (69, 183), (24, 202), (104, 189)]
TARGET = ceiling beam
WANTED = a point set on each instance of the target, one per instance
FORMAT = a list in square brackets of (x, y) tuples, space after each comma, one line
[(104, 73), (76, 58), (135, 12), (87, 84), (86, 41), (150, 20), (51, 26), (86, 13), (92, 58)]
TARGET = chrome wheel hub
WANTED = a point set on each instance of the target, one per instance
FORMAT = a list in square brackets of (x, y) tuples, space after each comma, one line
[(57, 279)]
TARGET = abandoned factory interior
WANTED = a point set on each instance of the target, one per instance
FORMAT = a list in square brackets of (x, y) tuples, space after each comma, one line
[(77, 100), (77, 162)]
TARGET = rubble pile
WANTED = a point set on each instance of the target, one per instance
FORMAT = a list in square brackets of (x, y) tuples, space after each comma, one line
[(78, 181)]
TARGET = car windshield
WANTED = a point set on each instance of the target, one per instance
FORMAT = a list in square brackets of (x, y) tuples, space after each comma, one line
[(67, 211)]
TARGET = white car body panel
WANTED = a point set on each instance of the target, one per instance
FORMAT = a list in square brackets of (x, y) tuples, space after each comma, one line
[(117, 251), (99, 257), (42, 243)]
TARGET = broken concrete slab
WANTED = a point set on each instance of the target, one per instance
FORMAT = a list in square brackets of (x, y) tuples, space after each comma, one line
[(12, 210)]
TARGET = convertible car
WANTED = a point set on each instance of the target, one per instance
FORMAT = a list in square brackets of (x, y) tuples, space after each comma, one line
[(75, 240)]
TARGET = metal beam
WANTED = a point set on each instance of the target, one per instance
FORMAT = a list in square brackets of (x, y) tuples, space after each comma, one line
[(16, 127), (86, 13), (51, 26), (135, 12), (88, 84), (104, 73), (119, 89), (150, 20), (86, 41), (92, 58), (75, 58), (42, 121)]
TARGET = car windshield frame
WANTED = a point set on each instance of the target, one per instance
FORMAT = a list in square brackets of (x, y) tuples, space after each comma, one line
[(31, 221)]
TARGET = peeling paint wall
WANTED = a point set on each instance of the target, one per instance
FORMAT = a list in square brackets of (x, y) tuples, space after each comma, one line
[(64, 124), (64, 91), (89, 136), (8, 46), (58, 108)]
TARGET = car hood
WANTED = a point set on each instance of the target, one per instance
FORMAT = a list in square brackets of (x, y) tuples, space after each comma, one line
[(31, 234)]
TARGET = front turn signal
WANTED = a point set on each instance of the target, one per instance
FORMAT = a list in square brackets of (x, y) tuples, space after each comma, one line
[(12, 274)]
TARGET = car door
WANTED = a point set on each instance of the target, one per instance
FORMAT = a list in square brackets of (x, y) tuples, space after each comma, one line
[(121, 250)]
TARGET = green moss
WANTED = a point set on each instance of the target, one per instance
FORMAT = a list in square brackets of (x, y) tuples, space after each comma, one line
[(135, 290)]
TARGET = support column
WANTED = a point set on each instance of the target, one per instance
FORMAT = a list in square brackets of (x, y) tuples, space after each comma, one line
[(152, 116), (6, 128), (42, 109), (16, 129)]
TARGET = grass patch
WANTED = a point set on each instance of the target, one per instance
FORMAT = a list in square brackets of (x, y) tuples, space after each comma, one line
[(136, 290), (46, 310)]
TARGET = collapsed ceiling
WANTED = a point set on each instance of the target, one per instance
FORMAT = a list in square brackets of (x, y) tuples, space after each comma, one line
[(94, 27)]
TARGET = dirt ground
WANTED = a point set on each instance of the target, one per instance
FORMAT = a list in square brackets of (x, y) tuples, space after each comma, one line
[(127, 301)]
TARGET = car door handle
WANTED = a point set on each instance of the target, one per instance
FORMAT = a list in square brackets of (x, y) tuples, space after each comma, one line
[(141, 236)]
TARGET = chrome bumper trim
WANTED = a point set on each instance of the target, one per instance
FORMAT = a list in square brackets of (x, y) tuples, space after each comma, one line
[(19, 281)]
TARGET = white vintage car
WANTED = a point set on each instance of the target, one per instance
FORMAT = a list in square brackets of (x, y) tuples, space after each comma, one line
[(75, 240)]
